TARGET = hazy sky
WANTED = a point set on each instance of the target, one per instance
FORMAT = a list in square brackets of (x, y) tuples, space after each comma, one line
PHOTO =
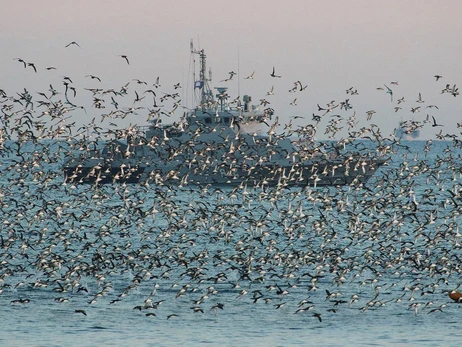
[(329, 46)]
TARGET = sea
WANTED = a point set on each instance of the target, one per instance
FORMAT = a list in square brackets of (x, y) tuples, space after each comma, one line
[(146, 265)]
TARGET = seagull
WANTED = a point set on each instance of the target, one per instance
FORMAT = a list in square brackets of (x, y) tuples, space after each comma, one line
[(94, 77), (21, 61), (250, 77), (125, 57), (419, 100), (67, 79), (32, 64), (302, 88), (273, 74), (389, 91), (435, 124), (231, 74), (437, 77), (157, 84), (369, 114), (73, 43), (318, 316)]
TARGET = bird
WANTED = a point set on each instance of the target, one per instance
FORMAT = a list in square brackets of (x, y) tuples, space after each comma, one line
[(125, 57), (231, 75), (318, 316), (370, 113), (94, 77), (33, 66), (67, 79), (435, 124), (216, 307), (72, 43), (157, 84), (437, 77), (250, 77), (401, 227), (21, 61), (419, 99), (389, 91), (273, 74)]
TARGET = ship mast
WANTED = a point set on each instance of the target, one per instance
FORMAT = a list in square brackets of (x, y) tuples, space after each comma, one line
[(207, 99)]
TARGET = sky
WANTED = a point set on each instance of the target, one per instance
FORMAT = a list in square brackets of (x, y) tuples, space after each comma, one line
[(329, 46)]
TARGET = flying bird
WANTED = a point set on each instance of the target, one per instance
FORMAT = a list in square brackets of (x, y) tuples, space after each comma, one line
[(33, 66), (318, 316), (273, 74), (435, 124), (125, 57), (72, 43), (67, 79), (21, 61), (93, 77), (389, 91), (419, 100), (157, 84)]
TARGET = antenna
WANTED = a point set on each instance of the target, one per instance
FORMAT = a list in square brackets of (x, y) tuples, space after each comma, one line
[(192, 66), (238, 75)]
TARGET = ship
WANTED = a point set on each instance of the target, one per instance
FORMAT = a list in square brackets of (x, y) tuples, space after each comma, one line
[(408, 130), (215, 143)]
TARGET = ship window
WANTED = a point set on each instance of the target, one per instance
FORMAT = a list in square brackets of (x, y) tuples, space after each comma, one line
[(208, 120), (226, 120)]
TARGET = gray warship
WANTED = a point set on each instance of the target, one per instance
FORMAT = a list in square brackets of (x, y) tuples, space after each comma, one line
[(215, 143)]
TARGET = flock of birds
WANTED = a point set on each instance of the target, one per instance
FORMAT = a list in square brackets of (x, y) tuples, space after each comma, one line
[(392, 242)]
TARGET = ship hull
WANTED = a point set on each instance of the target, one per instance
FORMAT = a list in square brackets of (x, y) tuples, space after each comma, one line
[(313, 173)]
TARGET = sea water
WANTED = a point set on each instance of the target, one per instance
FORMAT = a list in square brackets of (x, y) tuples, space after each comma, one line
[(372, 261)]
